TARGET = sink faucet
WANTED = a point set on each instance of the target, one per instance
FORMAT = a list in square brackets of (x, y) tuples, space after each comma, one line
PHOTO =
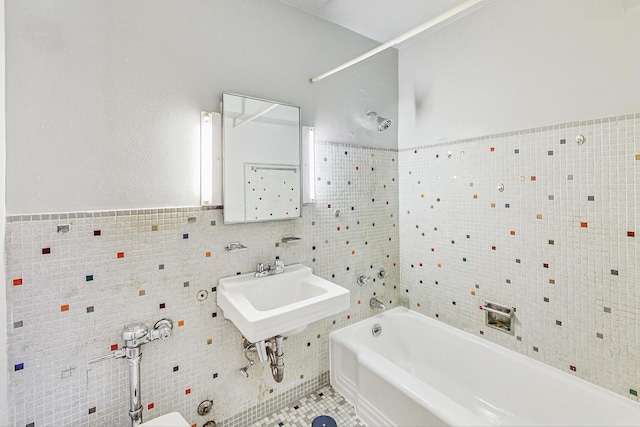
[(268, 270), (375, 303)]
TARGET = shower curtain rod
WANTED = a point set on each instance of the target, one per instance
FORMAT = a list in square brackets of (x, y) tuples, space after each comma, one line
[(402, 37)]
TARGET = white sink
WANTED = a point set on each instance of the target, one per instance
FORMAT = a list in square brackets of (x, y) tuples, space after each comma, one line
[(280, 304)]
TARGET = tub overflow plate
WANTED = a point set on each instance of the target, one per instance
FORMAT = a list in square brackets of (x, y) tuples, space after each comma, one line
[(376, 330)]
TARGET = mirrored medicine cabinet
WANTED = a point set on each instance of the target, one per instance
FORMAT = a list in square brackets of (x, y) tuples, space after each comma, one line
[(261, 160)]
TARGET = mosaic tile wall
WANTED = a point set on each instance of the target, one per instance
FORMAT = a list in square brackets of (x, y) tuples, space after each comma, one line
[(558, 243), (70, 293)]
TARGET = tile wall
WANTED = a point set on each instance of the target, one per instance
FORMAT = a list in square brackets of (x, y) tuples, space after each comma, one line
[(70, 293), (560, 243)]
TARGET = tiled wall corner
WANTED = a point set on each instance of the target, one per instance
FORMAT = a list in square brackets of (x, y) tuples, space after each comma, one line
[(75, 279), (558, 243)]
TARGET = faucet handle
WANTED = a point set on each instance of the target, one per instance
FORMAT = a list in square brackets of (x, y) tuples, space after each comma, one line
[(363, 280), (260, 268)]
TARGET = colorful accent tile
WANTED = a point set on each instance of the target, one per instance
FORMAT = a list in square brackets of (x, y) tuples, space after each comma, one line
[(142, 293), (46, 251), (89, 278), (631, 234), (180, 323), (187, 391), (18, 367), (584, 224), (120, 255), (64, 307), (207, 254), (17, 282), (154, 228), (150, 406), (97, 232), (114, 347)]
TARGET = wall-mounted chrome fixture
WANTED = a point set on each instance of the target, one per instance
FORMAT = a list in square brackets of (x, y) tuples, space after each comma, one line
[(382, 122), (376, 303), (500, 317), (363, 280), (134, 336), (235, 246), (290, 238), (580, 139), (382, 273)]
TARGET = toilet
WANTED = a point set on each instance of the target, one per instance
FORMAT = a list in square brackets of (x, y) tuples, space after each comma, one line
[(173, 419)]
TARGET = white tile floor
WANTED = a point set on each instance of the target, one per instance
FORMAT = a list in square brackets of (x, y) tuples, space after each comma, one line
[(325, 401)]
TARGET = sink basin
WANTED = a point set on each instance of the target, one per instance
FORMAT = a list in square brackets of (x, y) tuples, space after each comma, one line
[(280, 304)]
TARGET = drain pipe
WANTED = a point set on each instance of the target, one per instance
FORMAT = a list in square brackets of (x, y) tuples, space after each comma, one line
[(277, 359)]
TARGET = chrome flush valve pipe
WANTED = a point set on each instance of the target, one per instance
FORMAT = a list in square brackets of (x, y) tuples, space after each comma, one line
[(134, 336)]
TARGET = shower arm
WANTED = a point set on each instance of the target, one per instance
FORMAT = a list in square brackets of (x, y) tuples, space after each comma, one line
[(448, 15)]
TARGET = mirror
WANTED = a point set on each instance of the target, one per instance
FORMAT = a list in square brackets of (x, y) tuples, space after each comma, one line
[(261, 160)]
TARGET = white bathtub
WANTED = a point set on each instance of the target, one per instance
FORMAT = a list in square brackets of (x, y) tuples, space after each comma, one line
[(421, 372)]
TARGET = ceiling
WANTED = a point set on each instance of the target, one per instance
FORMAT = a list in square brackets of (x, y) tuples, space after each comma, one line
[(380, 20), (383, 20)]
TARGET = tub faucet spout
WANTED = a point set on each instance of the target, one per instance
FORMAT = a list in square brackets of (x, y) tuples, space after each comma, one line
[(376, 303)]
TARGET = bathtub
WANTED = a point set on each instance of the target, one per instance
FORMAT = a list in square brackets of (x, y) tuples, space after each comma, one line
[(421, 372)]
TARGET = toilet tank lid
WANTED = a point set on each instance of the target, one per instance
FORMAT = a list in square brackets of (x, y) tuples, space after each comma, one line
[(173, 419)]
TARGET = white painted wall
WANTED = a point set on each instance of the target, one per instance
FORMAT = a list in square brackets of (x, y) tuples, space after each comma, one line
[(520, 64), (4, 369), (104, 97)]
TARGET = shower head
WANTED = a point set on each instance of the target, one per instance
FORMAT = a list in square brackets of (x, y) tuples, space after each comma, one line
[(382, 122)]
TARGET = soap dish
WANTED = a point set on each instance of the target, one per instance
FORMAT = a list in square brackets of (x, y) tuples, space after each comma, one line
[(290, 238), (235, 246)]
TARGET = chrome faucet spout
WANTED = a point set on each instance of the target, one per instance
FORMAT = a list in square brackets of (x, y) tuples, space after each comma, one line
[(269, 269), (376, 303)]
